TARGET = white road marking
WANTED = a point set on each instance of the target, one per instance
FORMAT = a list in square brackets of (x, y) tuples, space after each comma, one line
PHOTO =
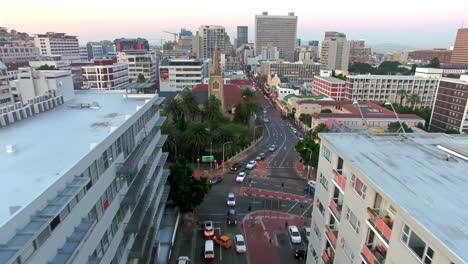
[(291, 206), (307, 209)]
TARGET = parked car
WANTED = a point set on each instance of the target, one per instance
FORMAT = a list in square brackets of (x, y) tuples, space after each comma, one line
[(272, 148), (294, 235), (231, 199), (300, 253), (266, 120), (264, 111), (216, 180), (307, 233), (183, 260), (236, 166), (231, 217), (261, 155), (251, 164), (241, 176), (240, 244), (209, 249), (223, 241), (208, 229)]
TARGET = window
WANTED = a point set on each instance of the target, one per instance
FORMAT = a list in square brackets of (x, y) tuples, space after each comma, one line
[(352, 219), (417, 245), (317, 232), (323, 181), (327, 153), (320, 207), (358, 186), (347, 249)]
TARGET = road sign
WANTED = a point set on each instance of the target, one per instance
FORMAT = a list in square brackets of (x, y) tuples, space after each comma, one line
[(207, 158)]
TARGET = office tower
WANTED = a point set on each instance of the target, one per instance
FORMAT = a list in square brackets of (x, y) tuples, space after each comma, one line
[(242, 35), (314, 43), (52, 43), (105, 75), (6, 96), (124, 44), (185, 33), (210, 36), (334, 51), (450, 110), (278, 31), (374, 200), (460, 50)]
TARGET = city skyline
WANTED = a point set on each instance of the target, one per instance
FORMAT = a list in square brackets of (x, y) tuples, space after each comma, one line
[(415, 25)]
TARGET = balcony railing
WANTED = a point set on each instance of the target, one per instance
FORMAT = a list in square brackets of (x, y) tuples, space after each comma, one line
[(335, 208), (331, 234), (326, 258), (340, 180), (377, 222), (372, 256)]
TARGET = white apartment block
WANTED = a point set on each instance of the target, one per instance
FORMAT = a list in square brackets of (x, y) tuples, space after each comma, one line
[(334, 52), (86, 182), (52, 43), (269, 53), (140, 62), (387, 198), (106, 75), (276, 31), (31, 84), (18, 53), (6, 96), (385, 88), (177, 74)]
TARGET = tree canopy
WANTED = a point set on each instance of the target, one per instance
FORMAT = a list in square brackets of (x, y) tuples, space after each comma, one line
[(385, 68), (395, 127), (141, 78)]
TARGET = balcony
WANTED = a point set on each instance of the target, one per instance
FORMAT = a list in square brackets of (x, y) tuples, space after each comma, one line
[(336, 208), (340, 180), (331, 235), (372, 256), (384, 230), (327, 259)]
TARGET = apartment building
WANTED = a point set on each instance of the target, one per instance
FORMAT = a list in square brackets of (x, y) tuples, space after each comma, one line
[(334, 51), (387, 198), (105, 74), (208, 38), (52, 43), (177, 74), (99, 194), (450, 110), (277, 31), (6, 96), (17, 53), (385, 88), (297, 72), (359, 52), (140, 62), (330, 86)]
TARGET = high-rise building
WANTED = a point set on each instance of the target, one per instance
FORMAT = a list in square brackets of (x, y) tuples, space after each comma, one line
[(460, 50), (124, 44), (140, 62), (450, 110), (52, 43), (105, 75), (374, 199), (242, 35), (294, 72), (306, 54), (99, 194), (334, 51), (98, 50), (277, 31), (178, 74), (210, 36), (6, 97), (185, 33), (359, 52), (269, 53), (314, 43)]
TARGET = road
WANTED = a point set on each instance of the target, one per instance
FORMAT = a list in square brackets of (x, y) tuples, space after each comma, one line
[(280, 185)]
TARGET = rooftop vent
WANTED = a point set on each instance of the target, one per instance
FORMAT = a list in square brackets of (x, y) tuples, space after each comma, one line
[(9, 149), (93, 105)]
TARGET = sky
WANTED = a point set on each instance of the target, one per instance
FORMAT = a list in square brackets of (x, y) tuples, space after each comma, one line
[(411, 23)]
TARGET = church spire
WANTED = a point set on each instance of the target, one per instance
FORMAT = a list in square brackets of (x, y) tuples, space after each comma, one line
[(215, 68)]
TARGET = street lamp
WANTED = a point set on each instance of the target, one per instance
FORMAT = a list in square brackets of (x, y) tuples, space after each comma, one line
[(310, 159), (223, 151), (399, 121)]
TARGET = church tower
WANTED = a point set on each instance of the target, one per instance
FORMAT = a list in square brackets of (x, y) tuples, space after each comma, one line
[(216, 80)]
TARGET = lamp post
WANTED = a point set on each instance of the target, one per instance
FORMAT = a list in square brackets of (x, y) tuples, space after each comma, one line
[(310, 159), (223, 151), (399, 121)]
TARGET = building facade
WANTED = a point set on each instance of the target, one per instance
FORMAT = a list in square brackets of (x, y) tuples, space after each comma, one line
[(211, 37), (52, 43), (294, 72), (105, 75), (17, 53), (140, 62), (242, 35), (330, 86), (306, 54), (6, 97), (426, 56), (359, 52), (107, 202), (177, 74), (450, 110), (277, 31), (460, 49), (125, 44), (380, 209), (334, 51), (269, 53), (385, 88)]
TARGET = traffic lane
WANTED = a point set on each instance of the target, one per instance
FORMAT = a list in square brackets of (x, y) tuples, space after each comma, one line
[(281, 185), (286, 249)]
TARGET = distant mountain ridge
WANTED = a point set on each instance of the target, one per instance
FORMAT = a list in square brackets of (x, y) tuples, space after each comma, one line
[(389, 47)]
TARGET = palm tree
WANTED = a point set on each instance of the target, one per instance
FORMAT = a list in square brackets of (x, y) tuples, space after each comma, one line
[(414, 99), (190, 106), (174, 109), (196, 137), (402, 93), (212, 110)]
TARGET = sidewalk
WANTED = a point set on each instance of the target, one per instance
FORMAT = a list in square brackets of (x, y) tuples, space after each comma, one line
[(246, 191)]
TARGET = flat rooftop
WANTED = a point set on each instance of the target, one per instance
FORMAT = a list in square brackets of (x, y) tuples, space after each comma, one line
[(392, 77), (48, 144), (331, 79), (415, 174)]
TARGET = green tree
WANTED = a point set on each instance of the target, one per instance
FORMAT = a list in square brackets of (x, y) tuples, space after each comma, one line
[(190, 106), (414, 99), (452, 131), (362, 68), (212, 110), (321, 128), (306, 119), (187, 192), (413, 69), (395, 127), (174, 109), (326, 111), (141, 78), (435, 63), (196, 138), (309, 151), (403, 94), (46, 67)]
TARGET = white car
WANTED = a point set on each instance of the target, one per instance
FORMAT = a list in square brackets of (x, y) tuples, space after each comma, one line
[(183, 260), (251, 164), (240, 244), (264, 111), (294, 234), (266, 120), (307, 233), (241, 176), (231, 199)]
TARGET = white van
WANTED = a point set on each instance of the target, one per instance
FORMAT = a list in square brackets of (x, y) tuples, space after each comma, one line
[(209, 249)]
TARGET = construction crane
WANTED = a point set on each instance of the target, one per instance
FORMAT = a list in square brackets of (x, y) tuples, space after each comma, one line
[(172, 33)]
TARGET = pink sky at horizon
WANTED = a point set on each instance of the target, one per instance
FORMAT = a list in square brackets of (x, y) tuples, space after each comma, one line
[(404, 22)]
